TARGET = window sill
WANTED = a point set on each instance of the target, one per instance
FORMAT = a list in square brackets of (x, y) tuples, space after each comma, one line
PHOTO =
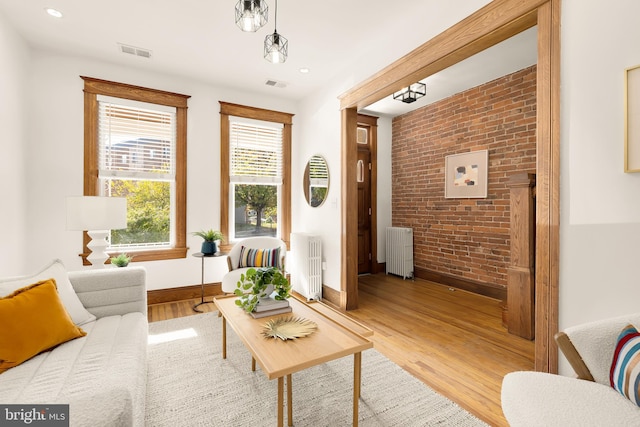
[(147, 255)]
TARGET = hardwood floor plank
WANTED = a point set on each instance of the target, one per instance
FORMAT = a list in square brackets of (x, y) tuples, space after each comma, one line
[(452, 340)]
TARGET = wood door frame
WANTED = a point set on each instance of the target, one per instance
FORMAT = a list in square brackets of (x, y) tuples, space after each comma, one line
[(495, 22), (371, 123)]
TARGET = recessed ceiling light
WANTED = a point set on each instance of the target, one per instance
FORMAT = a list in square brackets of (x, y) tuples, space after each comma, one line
[(54, 12), (304, 70)]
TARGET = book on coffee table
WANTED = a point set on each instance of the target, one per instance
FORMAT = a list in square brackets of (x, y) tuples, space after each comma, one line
[(259, 314), (269, 303)]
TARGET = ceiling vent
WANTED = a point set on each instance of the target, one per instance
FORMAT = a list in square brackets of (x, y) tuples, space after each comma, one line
[(137, 51), (275, 83)]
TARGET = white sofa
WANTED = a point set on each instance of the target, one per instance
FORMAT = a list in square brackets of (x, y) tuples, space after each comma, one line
[(103, 375), (540, 399)]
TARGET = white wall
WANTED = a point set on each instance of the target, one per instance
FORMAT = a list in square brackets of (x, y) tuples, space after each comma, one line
[(600, 207), (384, 184), (320, 134), (56, 159), (14, 69)]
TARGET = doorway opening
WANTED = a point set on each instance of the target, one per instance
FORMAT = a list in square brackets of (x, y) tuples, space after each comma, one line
[(490, 25)]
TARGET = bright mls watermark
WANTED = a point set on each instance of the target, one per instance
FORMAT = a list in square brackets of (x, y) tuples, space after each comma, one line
[(34, 415)]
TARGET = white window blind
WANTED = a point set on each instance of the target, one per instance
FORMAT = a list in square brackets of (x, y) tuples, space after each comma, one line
[(137, 140), (255, 151)]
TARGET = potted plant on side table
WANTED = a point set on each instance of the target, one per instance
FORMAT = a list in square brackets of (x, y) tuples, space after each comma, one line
[(210, 237)]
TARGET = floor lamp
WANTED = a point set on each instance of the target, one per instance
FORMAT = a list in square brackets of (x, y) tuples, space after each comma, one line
[(97, 215)]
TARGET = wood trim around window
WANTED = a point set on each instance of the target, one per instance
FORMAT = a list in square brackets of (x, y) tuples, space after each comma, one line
[(228, 109), (93, 88)]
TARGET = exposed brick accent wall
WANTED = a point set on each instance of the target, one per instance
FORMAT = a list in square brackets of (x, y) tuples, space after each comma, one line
[(465, 238)]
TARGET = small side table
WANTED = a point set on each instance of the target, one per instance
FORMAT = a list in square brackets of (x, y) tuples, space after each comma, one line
[(202, 257)]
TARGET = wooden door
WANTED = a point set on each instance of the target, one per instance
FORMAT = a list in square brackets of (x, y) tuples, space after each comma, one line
[(363, 175)]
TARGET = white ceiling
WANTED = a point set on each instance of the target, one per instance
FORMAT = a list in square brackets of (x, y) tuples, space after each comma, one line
[(198, 39)]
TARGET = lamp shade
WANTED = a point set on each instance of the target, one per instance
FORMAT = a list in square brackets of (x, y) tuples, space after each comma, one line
[(96, 213)]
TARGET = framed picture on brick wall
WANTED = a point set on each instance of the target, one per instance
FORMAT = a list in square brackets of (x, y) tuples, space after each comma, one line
[(466, 175)]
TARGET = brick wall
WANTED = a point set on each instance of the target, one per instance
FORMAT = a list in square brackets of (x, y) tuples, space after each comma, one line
[(464, 238)]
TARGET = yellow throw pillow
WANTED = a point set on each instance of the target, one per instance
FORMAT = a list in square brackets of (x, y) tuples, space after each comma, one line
[(33, 320)]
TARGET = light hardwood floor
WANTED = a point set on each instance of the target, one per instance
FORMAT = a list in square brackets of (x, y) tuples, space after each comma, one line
[(452, 340)]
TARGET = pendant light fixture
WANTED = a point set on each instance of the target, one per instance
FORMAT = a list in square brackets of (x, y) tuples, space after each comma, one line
[(412, 93), (276, 47), (251, 15)]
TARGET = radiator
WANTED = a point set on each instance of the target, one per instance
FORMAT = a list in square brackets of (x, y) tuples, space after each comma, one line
[(306, 265), (400, 251)]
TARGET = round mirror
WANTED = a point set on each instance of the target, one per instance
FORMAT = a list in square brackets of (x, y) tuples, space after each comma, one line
[(316, 181)]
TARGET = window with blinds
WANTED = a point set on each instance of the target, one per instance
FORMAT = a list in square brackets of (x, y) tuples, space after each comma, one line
[(136, 160), (137, 140), (256, 152), (255, 176)]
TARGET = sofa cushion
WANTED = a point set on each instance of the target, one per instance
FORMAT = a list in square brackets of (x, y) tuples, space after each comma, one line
[(102, 376), (625, 367), (251, 257), (56, 270), (33, 320)]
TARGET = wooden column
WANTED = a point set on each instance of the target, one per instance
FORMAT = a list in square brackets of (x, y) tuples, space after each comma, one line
[(521, 270)]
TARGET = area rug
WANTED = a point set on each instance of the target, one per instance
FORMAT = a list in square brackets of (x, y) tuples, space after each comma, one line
[(189, 384)]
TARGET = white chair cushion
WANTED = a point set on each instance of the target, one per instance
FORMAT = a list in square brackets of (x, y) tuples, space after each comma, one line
[(534, 399), (596, 341), (230, 280)]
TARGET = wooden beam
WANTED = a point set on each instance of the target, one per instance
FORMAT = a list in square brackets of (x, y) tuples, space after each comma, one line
[(490, 25), (548, 186)]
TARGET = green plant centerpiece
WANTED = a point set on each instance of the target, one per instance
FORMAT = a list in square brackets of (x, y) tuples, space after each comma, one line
[(210, 238), (260, 283), (121, 260)]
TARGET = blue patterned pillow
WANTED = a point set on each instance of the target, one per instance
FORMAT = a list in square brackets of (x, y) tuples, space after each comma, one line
[(259, 257), (625, 368)]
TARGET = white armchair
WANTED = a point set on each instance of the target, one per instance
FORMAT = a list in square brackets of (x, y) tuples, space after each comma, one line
[(542, 399), (230, 280)]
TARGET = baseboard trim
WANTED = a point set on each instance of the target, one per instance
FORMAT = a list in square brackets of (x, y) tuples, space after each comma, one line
[(159, 296), (331, 295), (379, 267), (487, 289)]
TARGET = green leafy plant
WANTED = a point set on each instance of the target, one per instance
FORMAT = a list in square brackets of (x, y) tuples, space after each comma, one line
[(253, 285), (121, 260), (209, 235)]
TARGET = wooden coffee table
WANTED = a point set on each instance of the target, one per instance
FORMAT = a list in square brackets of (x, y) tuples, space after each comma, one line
[(333, 339)]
